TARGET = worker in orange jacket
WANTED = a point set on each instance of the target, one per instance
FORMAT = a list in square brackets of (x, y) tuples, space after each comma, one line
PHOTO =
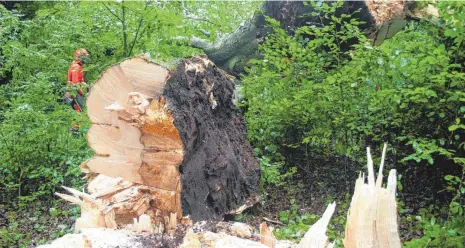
[(76, 79)]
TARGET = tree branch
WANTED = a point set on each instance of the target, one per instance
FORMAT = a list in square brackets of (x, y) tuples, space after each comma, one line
[(125, 43), (200, 19), (138, 28), (113, 13)]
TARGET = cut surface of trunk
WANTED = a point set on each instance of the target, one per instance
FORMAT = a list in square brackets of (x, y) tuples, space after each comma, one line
[(167, 144)]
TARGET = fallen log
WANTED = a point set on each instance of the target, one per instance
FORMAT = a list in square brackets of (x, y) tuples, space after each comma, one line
[(382, 20), (167, 142), (371, 222)]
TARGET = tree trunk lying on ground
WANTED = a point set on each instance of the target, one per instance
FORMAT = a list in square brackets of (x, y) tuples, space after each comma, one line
[(382, 20), (371, 222), (168, 143)]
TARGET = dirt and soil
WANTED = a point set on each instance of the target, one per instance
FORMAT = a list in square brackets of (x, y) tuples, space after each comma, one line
[(220, 170)]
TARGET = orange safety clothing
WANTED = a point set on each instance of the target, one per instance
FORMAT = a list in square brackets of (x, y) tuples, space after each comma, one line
[(75, 73)]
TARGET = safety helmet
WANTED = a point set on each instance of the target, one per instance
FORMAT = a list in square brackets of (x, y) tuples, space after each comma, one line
[(82, 56), (80, 52)]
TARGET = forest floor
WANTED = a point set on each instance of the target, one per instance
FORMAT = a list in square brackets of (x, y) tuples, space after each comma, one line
[(36, 223), (310, 193), (285, 204)]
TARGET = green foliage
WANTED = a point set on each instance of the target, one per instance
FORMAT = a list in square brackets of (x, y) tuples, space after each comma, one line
[(38, 153), (37, 226), (444, 227), (437, 231), (11, 236), (210, 16), (292, 89), (328, 91), (297, 223), (453, 17), (270, 171)]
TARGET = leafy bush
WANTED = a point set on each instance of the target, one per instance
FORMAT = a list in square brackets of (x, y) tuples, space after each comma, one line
[(316, 92), (37, 151), (327, 91)]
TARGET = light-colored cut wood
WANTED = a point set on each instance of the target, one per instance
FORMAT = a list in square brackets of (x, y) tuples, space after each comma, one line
[(110, 221), (266, 236), (316, 237), (372, 217), (103, 185), (144, 224), (91, 209), (173, 222), (137, 149), (163, 158)]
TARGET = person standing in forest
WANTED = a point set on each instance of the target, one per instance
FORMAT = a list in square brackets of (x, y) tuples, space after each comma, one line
[(76, 80)]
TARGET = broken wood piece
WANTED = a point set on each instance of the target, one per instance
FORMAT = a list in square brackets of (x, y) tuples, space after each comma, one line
[(316, 237), (372, 216), (110, 220), (144, 224), (172, 223), (266, 236), (91, 210), (240, 230)]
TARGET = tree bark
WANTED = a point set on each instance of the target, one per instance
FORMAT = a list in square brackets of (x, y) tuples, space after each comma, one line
[(233, 51)]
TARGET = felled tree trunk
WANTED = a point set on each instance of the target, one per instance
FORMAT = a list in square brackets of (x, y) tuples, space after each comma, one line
[(166, 142), (382, 20)]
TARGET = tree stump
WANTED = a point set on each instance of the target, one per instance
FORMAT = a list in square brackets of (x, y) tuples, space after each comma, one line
[(166, 142)]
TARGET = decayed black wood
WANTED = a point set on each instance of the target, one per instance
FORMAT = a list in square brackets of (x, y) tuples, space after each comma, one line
[(220, 171)]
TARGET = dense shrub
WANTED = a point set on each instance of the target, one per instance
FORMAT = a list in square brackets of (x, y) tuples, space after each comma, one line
[(327, 91)]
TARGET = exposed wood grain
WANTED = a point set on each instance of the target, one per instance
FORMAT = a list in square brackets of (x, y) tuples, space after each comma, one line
[(372, 217), (137, 149), (266, 236)]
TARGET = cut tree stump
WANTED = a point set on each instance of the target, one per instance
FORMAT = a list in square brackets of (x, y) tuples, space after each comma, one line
[(372, 217), (167, 143)]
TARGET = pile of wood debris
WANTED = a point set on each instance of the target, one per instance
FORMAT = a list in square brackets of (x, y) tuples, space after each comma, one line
[(371, 222)]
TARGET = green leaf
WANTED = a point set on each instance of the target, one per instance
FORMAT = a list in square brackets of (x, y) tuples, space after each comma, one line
[(453, 128), (450, 33), (331, 79)]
